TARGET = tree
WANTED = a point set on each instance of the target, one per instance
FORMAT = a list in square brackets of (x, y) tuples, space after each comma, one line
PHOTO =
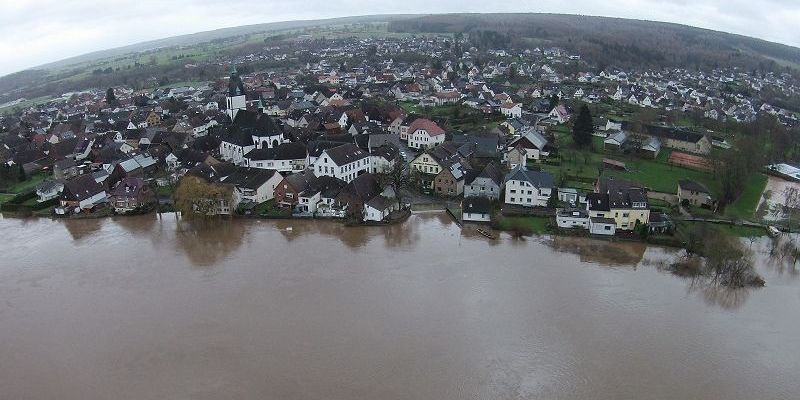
[(583, 128), (554, 100), (21, 175), (397, 179), (111, 98), (552, 202), (195, 197)]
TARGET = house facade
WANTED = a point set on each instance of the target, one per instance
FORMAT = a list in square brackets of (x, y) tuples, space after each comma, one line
[(527, 188)]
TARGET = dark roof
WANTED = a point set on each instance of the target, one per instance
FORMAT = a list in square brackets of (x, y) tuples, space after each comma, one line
[(239, 137), (674, 133), (598, 202), (476, 204), (249, 178), (257, 124), (301, 180), (346, 153), (538, 179), (692, 186), (329, 186), (622, 193), (284, 151), (128, 186), (363, 188), (80, 188), (490, 171)]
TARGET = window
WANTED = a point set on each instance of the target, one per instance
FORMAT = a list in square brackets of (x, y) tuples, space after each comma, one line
[(608, 228), (511, 200), (624, 215), (513, 191)]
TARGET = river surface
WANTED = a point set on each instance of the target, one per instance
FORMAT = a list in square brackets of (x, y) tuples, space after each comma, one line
[(148, 308)]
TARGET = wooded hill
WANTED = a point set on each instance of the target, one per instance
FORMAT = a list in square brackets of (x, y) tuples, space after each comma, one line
[(618, 42)]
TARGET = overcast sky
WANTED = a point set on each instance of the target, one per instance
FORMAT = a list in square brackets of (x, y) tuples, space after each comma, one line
[(36, 32)]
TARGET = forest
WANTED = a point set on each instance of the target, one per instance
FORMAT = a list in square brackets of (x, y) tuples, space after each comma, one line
[(617, 42)]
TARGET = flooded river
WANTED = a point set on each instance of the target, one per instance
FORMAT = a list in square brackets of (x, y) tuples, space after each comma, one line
[(148, 308)]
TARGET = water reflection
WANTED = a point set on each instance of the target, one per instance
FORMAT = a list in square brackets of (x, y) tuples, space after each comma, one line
[(719, 295), (606, 252), (207, 242), (82, 228)]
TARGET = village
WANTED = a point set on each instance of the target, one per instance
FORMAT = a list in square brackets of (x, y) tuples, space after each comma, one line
[(367, 130)]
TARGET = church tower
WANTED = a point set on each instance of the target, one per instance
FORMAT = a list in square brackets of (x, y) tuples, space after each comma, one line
[(236, 99)]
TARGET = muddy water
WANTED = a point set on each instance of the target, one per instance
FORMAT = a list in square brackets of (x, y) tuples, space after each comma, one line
[(142, 308)]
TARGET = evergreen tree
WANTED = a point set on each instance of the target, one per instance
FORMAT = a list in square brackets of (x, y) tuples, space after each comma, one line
[(554, 100), (583, 128), (111, 98), (21, 176)]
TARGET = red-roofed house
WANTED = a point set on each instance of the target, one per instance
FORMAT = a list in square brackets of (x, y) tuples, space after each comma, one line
[(424, 134)]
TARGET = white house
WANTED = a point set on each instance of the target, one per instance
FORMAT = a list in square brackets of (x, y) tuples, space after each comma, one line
[(233, 147), (602, 226), (424, 134), (378, 208), (286, 157), (476, 209), (528, 188), (572, 218), (559, 114), (345, 162), (253, 185), (511, 110)]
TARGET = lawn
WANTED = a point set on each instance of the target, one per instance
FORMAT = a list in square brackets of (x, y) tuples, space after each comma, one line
[(537, 225), (270, 209), (409, 106), (745, 206), (732, 230), (660, 176), (6, 197), (27, 185)]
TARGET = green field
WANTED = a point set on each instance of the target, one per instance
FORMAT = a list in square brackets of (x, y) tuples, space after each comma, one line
[(732, 230), (26, 186), (745, 206), (537, 225)]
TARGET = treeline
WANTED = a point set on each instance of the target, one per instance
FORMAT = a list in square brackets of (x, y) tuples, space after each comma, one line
[(612, 41)]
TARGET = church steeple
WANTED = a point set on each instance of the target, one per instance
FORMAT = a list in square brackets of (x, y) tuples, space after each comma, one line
[(235, 84)]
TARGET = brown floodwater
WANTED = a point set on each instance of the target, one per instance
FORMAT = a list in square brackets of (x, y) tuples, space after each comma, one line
[(149, 308)]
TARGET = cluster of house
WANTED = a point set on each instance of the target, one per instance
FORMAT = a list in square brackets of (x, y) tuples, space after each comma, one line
[(319, 146)]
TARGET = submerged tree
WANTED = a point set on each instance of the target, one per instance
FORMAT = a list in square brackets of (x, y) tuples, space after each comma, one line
[(195, 197)]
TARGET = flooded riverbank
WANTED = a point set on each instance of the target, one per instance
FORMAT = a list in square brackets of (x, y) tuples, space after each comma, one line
[(149, 308)]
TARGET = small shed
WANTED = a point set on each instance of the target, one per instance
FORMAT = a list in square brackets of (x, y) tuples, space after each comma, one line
[(614, 164), (602, 226)]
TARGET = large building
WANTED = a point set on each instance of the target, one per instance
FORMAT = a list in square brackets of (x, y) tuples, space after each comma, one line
[(623, 201), (527, 188), (345, 162)]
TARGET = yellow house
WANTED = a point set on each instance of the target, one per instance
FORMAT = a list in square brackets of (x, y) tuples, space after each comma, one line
[(624, 202)]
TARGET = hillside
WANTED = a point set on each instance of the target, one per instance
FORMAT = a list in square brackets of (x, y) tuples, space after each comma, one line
[(615, 41), (603, 42)]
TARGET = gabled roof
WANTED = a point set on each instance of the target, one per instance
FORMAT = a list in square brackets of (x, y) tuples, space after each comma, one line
[(249, 178), (284, 151), (693, 186), (426, 124), (345, 154), (530, 138), (476, 204), (491, 172), (80, 188), (538, 179)]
